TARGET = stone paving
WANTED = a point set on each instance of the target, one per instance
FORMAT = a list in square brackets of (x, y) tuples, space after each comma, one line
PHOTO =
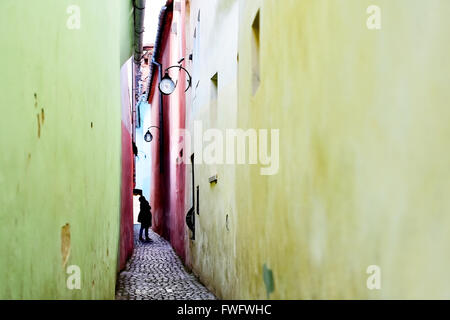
[(155, 272)]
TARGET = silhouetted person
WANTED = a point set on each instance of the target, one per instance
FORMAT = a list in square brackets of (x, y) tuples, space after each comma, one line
[(145, 218)]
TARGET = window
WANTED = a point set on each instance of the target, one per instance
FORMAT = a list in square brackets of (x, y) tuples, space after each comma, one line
[(256, 53), (213, 99), (198, 200), (196, 55)]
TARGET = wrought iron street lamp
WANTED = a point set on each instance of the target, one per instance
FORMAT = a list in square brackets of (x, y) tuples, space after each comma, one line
[(167, 86), (148, 136)]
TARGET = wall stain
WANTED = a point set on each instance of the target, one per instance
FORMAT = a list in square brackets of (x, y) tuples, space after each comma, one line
[(65, 244), (28, 159), (40, 116), (39, 126), (268, 280)]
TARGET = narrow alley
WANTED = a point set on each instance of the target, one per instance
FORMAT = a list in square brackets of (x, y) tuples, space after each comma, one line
[(155, 272)]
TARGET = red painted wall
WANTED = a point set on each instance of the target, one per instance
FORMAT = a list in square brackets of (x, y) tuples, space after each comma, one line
[(157, 192), (126, 196), (126, 190), (168, 187)]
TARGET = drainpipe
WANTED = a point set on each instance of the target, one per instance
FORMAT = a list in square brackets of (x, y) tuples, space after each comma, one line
[(139, 16), (161, 132), (155, 63)]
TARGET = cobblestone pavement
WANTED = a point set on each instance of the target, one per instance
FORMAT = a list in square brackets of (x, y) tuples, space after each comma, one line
[(155, 272)]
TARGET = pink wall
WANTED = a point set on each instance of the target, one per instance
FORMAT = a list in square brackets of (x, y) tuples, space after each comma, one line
[(126, 191), (126, 199), (157, 192), (168, 187)]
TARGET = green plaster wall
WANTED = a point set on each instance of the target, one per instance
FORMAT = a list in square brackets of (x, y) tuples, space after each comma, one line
[(364, 159), (60, 146)]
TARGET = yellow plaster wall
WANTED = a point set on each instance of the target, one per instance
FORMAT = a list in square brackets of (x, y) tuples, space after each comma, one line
[(364, 159)]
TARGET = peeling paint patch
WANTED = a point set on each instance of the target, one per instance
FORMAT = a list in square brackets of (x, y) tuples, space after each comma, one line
[(65, 244), (40, 116), (39, 125), (268, 280), (40, 120), (28, 161)]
